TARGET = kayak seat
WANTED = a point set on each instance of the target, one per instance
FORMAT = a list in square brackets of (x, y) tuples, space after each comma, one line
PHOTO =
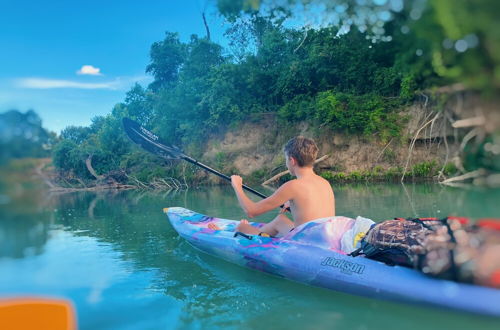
[(325, 233)]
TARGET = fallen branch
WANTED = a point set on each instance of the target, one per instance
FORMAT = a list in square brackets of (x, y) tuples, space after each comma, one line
[(412, 145), (95, 188), (380, 154), (279, 175), (139, 183), (167, 183), (88, 164), (474, 121), (466, 176), (81, 182)]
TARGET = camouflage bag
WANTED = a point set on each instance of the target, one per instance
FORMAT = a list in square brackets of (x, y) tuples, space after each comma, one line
[(444, 248)]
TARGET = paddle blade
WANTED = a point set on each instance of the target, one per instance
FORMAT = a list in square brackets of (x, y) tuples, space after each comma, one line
[(149, 141)]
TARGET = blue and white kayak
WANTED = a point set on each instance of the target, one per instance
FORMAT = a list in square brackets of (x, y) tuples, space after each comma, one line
[(302, 258)]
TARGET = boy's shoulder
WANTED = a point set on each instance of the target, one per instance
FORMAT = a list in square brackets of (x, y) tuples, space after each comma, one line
[(314, 181), (303, 181), (290, 183)]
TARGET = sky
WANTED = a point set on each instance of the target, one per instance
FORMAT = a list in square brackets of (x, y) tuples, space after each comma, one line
[(73, 60)]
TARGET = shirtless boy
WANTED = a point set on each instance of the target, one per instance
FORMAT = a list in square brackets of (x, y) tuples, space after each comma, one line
[(309, 196)]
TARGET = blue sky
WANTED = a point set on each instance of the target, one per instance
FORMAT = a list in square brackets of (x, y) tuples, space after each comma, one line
[(43, 45)]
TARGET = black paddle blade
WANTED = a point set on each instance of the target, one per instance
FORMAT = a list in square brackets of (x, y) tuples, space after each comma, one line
[(153, 144), (149, 141)]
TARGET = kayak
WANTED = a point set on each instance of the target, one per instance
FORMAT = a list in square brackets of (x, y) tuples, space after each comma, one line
[(302, 258)]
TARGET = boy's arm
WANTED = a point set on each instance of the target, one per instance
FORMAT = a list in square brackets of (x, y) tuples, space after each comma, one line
[(251, 208)]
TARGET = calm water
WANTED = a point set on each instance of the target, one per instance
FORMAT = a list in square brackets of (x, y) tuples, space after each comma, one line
[(116, 257)]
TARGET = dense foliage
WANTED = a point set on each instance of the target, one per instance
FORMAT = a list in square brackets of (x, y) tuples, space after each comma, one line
[(461, 38), (348, 80)]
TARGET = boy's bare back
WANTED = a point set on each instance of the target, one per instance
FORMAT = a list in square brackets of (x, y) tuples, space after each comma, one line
[(313, 198)]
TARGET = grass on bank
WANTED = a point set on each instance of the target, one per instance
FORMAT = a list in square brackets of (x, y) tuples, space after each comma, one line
[(426, 170)]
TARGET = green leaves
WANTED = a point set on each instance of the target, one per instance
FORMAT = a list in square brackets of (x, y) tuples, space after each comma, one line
[(167, 56), (366, 114)]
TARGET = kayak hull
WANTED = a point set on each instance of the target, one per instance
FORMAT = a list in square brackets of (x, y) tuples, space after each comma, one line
[(319, 266)]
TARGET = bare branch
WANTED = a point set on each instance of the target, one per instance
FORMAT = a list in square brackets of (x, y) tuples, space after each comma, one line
[(301, 43), (475, 121), (412, 145), (206, 25), (466, 176), (279, 175)]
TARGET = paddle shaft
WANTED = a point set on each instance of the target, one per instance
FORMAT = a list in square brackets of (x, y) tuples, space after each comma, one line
[(211, 170), (139, 135)]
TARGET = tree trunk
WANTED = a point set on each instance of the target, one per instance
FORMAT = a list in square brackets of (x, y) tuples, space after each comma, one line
[(206, 25), (88, 163)]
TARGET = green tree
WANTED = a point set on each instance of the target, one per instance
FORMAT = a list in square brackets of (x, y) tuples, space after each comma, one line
[(77, 134), (167, 57)]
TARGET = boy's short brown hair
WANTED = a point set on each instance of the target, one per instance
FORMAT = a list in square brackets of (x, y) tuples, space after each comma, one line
[(304, 150)]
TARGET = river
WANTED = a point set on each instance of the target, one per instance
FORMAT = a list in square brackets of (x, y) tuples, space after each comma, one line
[(116, 257)]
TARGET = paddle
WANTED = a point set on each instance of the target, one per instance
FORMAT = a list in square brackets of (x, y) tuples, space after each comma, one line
[(152, 143)]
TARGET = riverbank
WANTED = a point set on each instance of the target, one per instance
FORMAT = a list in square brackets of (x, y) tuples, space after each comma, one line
[(29, 173), (444, 134), (444, 137)]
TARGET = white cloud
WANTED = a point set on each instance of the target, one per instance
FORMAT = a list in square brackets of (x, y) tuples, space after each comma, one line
[(47, 83), (43, 83), (89, 70)]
